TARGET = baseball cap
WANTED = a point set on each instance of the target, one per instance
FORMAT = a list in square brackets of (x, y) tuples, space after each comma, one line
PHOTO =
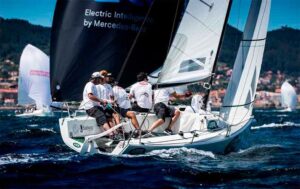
[(96, 75)]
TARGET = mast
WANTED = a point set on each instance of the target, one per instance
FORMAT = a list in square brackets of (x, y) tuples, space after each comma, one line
[(206, 97)]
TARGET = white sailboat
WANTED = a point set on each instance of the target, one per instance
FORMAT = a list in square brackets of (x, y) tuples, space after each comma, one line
[(190, 59), (288, 97), (34, 83)]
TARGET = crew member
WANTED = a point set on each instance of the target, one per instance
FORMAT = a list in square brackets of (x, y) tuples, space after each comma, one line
[(141, 91), (163, 110), (124, 104), (91, 103)]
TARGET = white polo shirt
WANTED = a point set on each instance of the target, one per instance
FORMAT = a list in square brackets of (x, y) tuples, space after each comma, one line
[(108, 92), (142, 92), (100, 91), (121, 97), (87, 103), (163, 95)]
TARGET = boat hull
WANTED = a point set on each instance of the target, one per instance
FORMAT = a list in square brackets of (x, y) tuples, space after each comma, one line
[(36, 113), (215, 141), (218, 144)]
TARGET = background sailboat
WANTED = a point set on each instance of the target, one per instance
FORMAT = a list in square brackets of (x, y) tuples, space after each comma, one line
[(289, 99), (34, 82)]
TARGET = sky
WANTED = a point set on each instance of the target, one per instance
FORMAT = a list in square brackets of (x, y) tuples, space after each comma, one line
[(40, 12)]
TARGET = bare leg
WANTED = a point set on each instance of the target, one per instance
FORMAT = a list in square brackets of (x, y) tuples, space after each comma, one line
[(156, 124), (116, 118), (111, 124), (132, 117), (106, 127), (174, 119)]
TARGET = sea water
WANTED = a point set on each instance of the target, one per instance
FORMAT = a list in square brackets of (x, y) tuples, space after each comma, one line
[(32, 154)]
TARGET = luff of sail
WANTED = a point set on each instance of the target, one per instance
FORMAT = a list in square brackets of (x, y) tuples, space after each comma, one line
[(34, 81), (237, 105), (288, 96), (194, 48)]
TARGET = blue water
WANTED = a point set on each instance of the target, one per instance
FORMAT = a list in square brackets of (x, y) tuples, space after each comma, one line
[(32, 154)]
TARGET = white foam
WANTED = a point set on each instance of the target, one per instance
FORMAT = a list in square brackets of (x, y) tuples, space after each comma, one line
[(47, 129), (252, 148), (171, 153), (267, 111), (33, 125), (23, 131), (276, 125), (42, 129), (32, 158)]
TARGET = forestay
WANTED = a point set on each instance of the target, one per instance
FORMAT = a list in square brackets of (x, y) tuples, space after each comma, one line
[(34, 81), (194, 48)]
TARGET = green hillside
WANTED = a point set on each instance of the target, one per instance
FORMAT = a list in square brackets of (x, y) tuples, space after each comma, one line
[(282, 47), (16, 34), (282, 50)]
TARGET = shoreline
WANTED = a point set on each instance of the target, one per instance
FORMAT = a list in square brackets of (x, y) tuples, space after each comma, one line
[(11, 108), (213, 107)]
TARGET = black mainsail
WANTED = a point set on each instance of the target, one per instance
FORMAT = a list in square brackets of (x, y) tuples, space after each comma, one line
[(89, 35)]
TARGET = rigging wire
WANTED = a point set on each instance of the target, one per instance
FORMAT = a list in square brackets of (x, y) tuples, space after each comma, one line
[(134, 42), (205, 100), (172, 36), (173, 26)]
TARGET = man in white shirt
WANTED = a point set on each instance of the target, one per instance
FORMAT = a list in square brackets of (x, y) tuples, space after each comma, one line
[(123, 102), (162, 110), (141, 91), (91, 103), (108, 92), (104, 91), (196, 104)]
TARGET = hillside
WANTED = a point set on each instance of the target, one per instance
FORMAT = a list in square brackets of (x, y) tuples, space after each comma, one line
[(282, 47), (15, 34), (282, 50)]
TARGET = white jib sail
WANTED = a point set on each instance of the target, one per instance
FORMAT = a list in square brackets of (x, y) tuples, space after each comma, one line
[(288, 96), (34, 81), (237, 105), (194, 48)]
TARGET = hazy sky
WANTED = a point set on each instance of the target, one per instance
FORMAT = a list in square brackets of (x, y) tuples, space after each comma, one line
[(283, 12)]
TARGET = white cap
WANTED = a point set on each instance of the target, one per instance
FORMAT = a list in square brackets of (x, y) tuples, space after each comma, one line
[(96, 75)]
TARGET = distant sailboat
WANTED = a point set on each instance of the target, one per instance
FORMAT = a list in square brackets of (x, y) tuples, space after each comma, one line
[(288, 97), (34, 83)]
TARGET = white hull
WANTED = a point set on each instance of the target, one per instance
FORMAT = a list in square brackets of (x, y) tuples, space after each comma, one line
[(74, 129), (288, 109), (36, 113)]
